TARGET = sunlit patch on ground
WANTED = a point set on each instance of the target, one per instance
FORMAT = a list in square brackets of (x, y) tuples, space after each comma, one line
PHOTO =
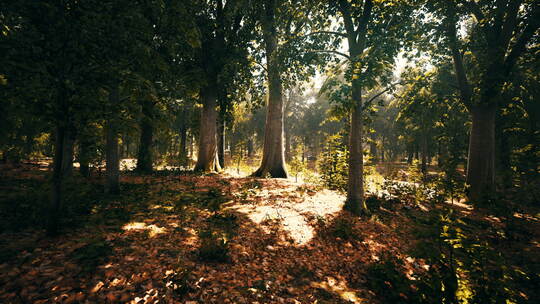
[(340, 288), (293, 215), (153, 230)]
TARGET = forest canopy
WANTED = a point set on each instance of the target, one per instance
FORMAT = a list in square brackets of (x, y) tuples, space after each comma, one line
[(388, 117)]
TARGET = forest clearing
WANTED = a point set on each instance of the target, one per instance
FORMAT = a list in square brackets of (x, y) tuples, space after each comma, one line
[(270, 151)]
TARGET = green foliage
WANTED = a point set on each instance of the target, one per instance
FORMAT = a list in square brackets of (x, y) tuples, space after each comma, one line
[(333, 165)]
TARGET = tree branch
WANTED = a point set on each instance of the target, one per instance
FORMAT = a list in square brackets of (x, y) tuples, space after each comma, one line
[(329, 51), (521, 43)]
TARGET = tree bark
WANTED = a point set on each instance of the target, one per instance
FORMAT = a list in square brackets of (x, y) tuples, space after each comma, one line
[(207, 157), (355, 190), (145, 157), (68, 146), (221, 141), (424, 148), (481, 159), (273, 161), (57, 179), (249, 147), (113, 160), (183, 145)]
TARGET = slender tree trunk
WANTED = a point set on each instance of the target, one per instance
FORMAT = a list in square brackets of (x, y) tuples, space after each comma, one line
[(67, 154), (249, 148), (57, 179), (481, 160), (424, 155), (221, 142), (355, 191), (183, 146), (145, 157), (207, 157), (288, 155), (410, 154), (273, 161), (84, 157), (113, 161)]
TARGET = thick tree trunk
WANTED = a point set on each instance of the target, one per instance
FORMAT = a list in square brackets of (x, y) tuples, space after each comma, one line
[(207, 157), (481, 160), (355, 190), (273, 161), (58, 176), (145, 157)]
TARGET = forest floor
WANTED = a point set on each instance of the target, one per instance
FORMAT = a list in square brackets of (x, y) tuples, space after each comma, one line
[(184, 238)]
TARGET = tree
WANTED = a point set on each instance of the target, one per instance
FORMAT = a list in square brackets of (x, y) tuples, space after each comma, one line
[(375, 32), (498, 35)]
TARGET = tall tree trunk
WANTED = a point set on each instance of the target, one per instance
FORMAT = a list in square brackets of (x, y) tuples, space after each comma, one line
[(424, 155), (207, 157), (355, 190), (288, 155), (113, 161), (273, 161), (249, 147), (221, 141), (112, 173), (68, 146), (183, 145), (145, 157), (57, 179), (481, 160)]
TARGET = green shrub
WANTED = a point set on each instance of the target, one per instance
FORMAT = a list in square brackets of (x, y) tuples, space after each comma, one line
[(333, 165)]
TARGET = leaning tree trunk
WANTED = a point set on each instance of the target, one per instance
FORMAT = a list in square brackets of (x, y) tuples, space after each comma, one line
[(207, 157), (273, 161), (145, 157), (481, 160), (355, 190)]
